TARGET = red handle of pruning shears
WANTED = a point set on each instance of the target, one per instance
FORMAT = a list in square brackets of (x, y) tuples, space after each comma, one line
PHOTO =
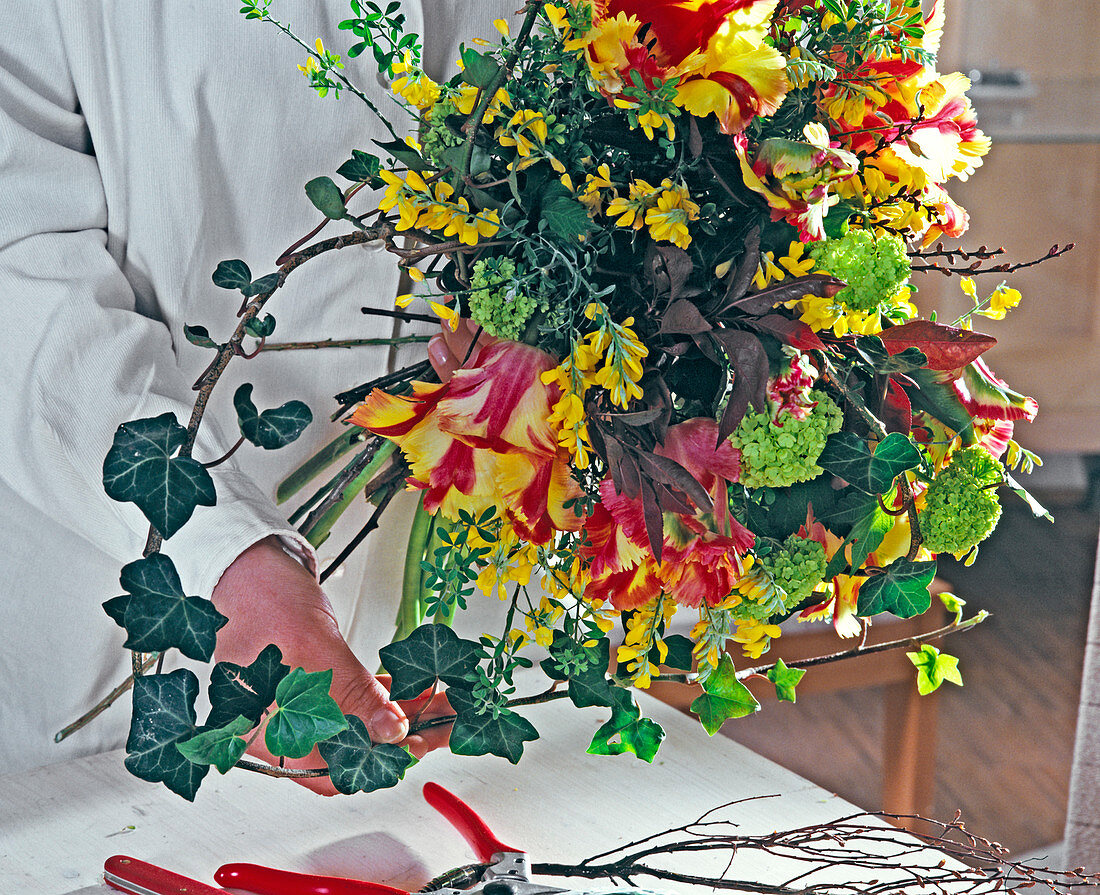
[(141, 878), (464, 819), (269, 881)]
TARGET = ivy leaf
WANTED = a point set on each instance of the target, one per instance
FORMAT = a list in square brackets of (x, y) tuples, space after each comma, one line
[(232, 274), (327, 198), (867, 534), (404, 153), (679, 652), (199, 335), (485, 734), (305, 714), (164, 714), (724, 697), (627, 730), (591, 686), (567, 217), (847, 455), (478, 69), (222, 747), (257, 287), (260, 327), (158, 616), (430, 652), (245, 689), (785, 680), (933, 668), (362, 167), (139, 468), (355, 764), (271, 429), (901, 590)]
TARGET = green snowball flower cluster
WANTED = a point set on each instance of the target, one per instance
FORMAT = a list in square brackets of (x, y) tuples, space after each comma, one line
[(494, 300), (797, 567), (961, 506), (776, 455), (435, 137), (874, 269)]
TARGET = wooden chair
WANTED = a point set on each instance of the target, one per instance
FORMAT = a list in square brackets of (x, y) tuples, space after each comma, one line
[(909, 741)]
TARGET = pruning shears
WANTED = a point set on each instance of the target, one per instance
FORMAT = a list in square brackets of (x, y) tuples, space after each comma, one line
[(503, 870)]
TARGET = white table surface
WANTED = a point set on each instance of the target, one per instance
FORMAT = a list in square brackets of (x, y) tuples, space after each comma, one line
[(59, 823)]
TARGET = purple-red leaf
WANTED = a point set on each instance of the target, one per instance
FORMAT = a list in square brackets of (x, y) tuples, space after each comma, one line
[(682, 317), (947, 348), (812, 284), (749, 362), (791, 332)]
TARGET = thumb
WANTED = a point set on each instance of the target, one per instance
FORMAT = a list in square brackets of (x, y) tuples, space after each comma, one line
[(360, 693)]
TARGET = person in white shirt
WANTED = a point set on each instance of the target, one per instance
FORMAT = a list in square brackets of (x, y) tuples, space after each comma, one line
[(140, 144)]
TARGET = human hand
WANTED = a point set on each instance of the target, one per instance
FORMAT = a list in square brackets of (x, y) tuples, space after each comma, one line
[(448, 349), (269, 597)]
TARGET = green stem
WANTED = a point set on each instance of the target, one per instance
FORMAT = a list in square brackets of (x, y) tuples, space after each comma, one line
[(313, 467), (319, 530), (410, 612)]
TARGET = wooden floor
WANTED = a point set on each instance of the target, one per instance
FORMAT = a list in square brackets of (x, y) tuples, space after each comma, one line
[(1006, 737)]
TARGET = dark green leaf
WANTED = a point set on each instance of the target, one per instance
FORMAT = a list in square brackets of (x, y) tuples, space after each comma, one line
[(479, 69), (404, 153), (245, 689), (936, 395), (306, 714), (785, 680), (847, 455), (355, 764), (567, 217), (679, 652), (140, 468), (362, 167), (724, 697), (232, 274), (867, 534), (273, 428), (158, 616), (327, 198), (221, 747), (591, 686), (429, 653), (627, 730), (902, 590), (199, 335), (164, 714), (482, 734), (260, 327), (259, 287)]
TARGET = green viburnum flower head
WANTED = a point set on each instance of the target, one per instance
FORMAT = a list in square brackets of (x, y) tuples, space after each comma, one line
[(797, 567), (874, 268), (961, 506), (496, 300), (777, 454)]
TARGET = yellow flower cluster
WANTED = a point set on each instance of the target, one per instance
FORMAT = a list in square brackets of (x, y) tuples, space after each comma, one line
[(755, 636), (821, 312), (642, 635), (665, 209), (609, 357), (429, 208), (413, 86), (1000, 302)]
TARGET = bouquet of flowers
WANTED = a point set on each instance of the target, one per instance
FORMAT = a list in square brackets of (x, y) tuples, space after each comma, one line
[(701, 388)]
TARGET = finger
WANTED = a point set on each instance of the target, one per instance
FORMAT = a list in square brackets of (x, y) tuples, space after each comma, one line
[(423, 742), (360, 693), (442, 359)]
